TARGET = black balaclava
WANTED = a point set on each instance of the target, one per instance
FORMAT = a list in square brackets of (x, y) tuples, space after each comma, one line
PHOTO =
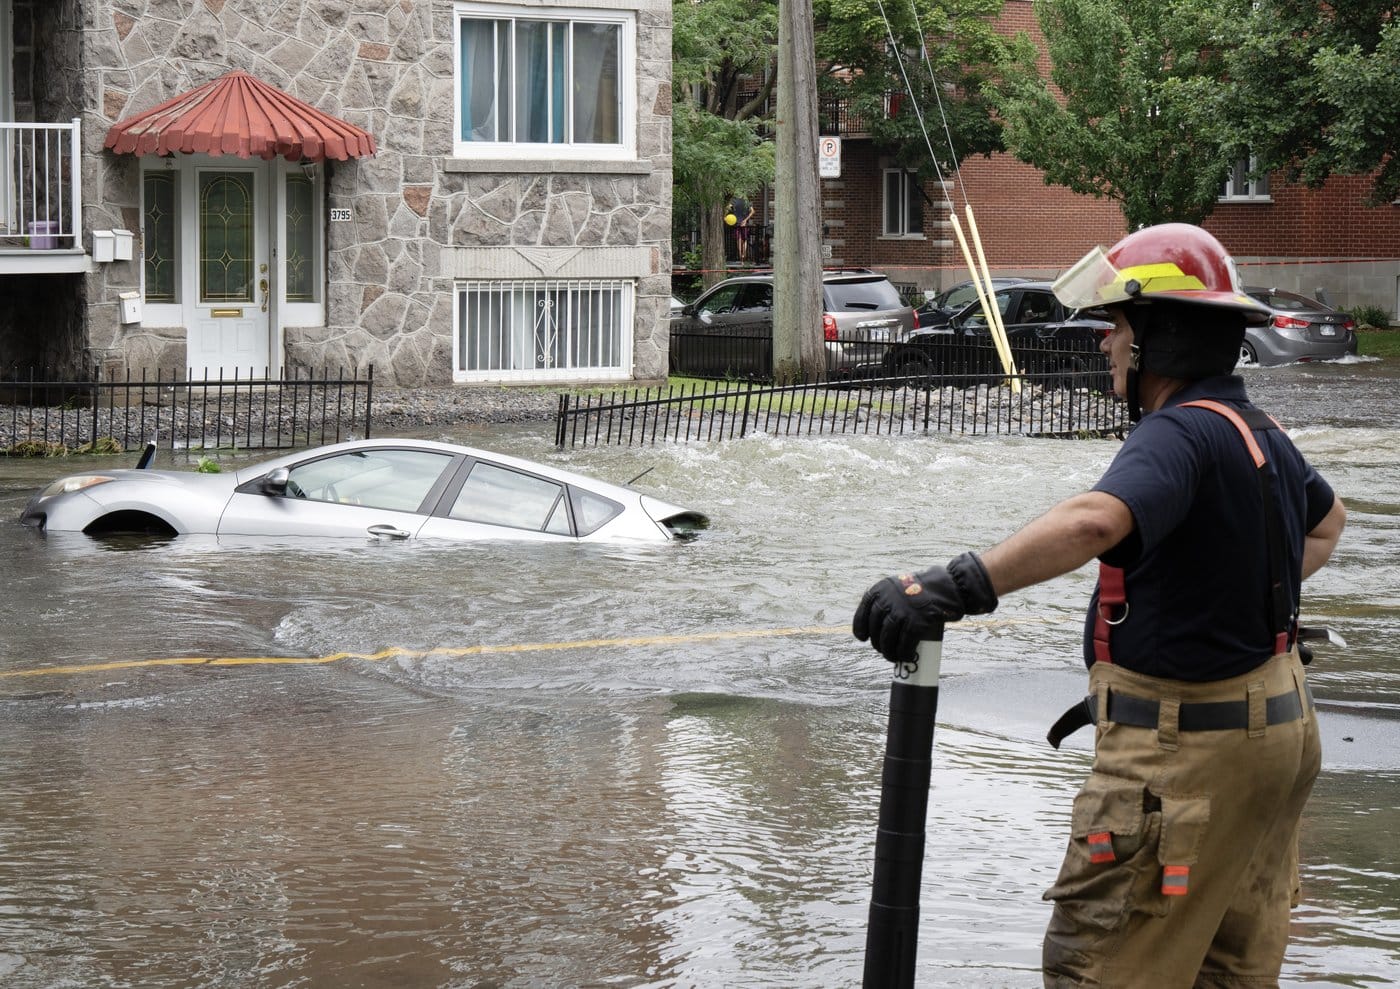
[(1180, 340)]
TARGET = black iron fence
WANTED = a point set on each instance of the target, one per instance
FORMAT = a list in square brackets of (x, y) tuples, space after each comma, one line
[(746, 354), (42, 415), (1052, 405)]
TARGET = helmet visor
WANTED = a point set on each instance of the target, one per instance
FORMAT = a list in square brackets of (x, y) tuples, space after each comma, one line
[(1083, 285)]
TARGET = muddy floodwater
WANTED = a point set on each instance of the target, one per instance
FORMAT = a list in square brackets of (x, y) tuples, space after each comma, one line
[(496, 765)]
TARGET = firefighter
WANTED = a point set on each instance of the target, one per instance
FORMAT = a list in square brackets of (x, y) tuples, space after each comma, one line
[(1182, 860)]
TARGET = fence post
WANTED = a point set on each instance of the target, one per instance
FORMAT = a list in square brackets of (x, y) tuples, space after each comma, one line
[(744, 425), (96, 403), (369, 400), (560, 417)]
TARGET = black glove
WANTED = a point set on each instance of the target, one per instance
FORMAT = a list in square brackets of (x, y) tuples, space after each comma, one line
[(898, 613)]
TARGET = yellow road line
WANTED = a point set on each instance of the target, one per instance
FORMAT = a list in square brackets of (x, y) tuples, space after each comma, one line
[(482, 650)]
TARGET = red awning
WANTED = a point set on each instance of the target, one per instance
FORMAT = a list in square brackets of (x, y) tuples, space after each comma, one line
[(238, 114)]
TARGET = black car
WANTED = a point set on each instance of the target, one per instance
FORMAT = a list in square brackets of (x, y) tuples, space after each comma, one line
[(1047, 341), (938, 310)]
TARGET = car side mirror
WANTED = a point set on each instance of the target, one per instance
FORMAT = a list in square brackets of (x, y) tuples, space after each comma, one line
[(275, 482)]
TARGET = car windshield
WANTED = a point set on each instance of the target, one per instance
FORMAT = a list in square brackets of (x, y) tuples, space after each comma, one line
[(870, 293), (1289, 301)]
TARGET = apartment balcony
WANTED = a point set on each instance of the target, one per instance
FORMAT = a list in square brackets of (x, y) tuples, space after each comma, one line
[(41, 202), (836, 118)]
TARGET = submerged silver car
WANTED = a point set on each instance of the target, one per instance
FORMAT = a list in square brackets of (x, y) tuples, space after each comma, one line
[(1299, 329), (381, 489)]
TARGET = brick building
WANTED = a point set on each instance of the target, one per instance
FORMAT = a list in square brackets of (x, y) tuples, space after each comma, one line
[(1281, 235)]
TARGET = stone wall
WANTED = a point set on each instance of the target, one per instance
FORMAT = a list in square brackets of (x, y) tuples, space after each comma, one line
[(42, 317), (421, 217)]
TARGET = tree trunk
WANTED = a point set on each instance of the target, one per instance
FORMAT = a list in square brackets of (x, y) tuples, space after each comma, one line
[(712, 236), (798, 354)]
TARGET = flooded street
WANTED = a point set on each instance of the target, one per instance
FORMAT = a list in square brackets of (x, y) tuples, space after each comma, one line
[(504, 765)]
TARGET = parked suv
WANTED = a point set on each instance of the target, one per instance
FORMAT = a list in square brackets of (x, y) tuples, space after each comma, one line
[(729, 329)]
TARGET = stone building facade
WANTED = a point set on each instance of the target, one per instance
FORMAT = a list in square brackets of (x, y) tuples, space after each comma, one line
[(450, 254)]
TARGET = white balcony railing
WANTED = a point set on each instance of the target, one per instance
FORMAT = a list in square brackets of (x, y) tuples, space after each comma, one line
[(40, 186)]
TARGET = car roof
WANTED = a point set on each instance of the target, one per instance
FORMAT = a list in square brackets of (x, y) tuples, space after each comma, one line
[(829, 275), (453, 449)]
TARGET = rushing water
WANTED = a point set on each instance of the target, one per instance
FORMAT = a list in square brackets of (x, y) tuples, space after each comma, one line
[(683, 797)]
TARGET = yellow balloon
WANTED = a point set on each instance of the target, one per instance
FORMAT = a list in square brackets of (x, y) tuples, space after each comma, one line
[(730, 219)]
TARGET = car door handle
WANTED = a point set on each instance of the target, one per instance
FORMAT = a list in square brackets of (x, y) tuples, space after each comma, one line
[(388, 532)]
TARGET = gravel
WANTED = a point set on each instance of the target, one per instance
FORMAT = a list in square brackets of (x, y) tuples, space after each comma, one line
[(409, 408)]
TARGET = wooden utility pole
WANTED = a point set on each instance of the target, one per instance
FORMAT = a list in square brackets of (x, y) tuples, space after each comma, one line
[(798, 354)]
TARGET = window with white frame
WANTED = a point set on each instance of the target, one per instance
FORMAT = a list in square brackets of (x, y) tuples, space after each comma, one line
[(550, 81), (903, 204), (543, 330), (1239, 186)]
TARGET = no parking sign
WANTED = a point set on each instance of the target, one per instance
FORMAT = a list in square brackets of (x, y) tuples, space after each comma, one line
[(829, 157)]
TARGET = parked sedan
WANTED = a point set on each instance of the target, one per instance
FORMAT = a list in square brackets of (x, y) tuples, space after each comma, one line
[(728, 331), (1045, 339), (1299, 329), (383, 489), (938, 310)]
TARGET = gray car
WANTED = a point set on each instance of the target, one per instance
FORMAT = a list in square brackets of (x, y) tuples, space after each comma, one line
[(728, 331), (375, 489), (1299, 329)]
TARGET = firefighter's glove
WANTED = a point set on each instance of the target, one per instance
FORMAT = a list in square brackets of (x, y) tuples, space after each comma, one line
[(898, 613)]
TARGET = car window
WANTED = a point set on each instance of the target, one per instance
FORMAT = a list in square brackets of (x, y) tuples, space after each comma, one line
[(497, 495), (865, 295), (756, 297), (1289, 302), (592, 510), (397, 480), (1035, 307), (974, 315), (722, 300)]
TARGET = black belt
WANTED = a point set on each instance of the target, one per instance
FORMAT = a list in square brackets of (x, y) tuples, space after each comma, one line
[(1140, 712)]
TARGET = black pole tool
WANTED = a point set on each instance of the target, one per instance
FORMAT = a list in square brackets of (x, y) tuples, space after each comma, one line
[(892, 939)]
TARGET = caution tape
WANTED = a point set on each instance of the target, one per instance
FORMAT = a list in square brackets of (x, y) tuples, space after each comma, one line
[(398, 652)]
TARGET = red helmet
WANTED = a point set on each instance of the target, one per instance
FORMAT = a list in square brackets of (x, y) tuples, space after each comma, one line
[(1172, 261)]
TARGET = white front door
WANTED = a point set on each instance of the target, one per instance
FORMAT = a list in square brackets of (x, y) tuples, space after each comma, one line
[(229, 286)]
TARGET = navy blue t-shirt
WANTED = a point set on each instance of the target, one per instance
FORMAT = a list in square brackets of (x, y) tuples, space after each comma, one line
[(1197, 563)]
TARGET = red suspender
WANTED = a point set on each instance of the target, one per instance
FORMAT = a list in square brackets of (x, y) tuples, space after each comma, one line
[(1237, 421), (1112, 595)]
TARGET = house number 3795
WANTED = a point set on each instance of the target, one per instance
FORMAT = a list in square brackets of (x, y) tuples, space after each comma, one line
[(340, 214)]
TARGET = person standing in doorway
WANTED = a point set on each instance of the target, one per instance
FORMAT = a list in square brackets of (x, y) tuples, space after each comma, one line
[(1182, 861), (742, 211)]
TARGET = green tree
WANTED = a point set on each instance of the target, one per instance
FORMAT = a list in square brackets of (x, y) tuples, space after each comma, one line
[(1119, 116), (718, 143), (1309, 88), (941, 59)]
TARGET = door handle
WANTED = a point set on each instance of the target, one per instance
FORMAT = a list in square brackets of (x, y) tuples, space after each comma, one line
[(262, 287), (385, 531)]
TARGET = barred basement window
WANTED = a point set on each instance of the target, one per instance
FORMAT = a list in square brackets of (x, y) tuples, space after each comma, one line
[(544, 329)]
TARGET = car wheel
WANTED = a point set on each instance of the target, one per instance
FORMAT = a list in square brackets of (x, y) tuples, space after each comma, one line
[(911, 367), (1247, 354), (1069, 372)]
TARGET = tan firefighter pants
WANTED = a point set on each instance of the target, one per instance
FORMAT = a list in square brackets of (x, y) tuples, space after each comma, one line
[(1182, 864)]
